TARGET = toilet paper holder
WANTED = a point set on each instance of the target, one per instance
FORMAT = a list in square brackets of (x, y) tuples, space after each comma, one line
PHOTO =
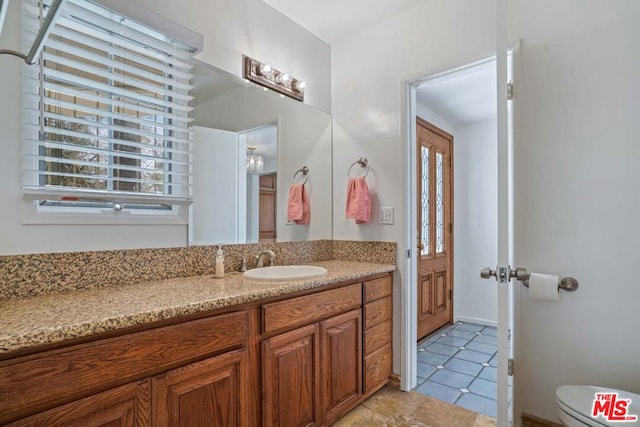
[(504, 274)]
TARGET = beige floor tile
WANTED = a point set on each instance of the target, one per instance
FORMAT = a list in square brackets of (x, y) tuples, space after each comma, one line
[(484, 421), (442, 414), (392, 402), (362, 417), (394, 408)]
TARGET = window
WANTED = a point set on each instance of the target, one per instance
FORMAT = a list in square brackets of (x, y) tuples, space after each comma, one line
[(106, 112)]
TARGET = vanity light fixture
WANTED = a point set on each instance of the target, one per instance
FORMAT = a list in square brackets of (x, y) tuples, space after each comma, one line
[(255, 163), (279, 81)]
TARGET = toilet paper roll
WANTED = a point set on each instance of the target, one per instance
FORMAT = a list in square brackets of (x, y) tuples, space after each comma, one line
[(544, 287)]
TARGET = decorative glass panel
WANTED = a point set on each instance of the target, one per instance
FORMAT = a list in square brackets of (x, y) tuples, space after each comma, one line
[(439, 205), (424, 201)]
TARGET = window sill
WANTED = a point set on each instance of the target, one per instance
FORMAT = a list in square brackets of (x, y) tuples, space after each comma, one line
[(32, 216)]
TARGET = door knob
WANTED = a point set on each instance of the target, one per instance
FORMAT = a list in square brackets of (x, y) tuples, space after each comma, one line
[(505, 274), (486, 273)]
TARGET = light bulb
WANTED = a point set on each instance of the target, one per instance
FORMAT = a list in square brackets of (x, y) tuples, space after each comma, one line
[(265, 69), (300, 85), (283, 78)]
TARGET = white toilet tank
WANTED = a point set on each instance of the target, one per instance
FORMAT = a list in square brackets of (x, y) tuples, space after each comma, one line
[(614, 407)]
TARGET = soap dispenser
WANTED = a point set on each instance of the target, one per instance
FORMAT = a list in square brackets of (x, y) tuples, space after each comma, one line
[(219, 262)]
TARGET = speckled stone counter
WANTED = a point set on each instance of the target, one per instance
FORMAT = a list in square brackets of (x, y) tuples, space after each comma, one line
[(52, 318)]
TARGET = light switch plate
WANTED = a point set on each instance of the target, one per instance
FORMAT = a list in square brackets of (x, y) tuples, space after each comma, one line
[(385, 215)]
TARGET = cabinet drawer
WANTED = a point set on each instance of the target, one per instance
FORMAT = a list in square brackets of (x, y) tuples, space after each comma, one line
[(35, 383), (377, 312), (310, 308), (128, 405), (376, 289), (377, 368), (377, 336)]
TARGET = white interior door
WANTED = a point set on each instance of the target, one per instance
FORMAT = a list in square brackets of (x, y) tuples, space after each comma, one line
[(505, 291)]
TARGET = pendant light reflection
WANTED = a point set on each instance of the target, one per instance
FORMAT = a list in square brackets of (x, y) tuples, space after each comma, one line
[(255, 163)]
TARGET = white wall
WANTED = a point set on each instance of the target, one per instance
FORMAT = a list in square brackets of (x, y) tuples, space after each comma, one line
[(216, 192), (475, 243), (369, 69), (575, 155), (577, 206), (231, 28)]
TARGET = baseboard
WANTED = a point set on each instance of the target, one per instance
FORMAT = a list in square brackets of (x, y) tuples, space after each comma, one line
[(475, 320), (533, 421)]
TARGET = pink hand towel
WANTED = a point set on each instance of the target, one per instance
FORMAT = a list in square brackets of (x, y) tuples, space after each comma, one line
[(358, 200), (298, 209), (306, 210), (295, 208)]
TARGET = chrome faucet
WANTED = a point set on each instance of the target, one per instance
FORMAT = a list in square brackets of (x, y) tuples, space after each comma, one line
[(260, 258)]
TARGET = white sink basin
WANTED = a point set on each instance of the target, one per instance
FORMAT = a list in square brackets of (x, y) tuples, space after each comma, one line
[(285, 272)]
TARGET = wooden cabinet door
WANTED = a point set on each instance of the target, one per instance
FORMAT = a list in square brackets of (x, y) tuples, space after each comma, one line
[(341, 363), (125, 406), (203, 394), (291, 378), (267, 208)]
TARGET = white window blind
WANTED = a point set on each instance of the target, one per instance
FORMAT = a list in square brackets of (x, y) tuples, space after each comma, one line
[(106, 110)]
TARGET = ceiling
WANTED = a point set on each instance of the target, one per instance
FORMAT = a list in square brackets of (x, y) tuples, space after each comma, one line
[(333, 20), (464, 96), (265, 140)]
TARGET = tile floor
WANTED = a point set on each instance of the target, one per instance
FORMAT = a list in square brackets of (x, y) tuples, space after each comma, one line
[(457, 364), (394, 408)]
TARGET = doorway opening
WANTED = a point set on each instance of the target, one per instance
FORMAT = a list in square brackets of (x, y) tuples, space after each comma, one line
[(456, 312)]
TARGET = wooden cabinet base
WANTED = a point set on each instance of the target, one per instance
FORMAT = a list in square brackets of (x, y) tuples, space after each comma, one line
[(377, 368), (203, 394), (126, 406), (291, 378)]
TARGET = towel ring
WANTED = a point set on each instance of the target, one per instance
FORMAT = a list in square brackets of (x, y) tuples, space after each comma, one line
[(304, 171), (363, 162)]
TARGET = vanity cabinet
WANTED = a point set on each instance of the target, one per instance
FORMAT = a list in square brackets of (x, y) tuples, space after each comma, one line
[(312, 374), (120, 380), (302, 360), (377, 333)]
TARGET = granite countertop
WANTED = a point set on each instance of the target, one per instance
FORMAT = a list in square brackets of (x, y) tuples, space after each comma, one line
[(52, 318)]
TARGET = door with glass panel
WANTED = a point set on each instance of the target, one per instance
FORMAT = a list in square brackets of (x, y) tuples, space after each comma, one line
[(435, 196)]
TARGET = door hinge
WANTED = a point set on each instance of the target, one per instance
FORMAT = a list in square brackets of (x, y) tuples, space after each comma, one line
[(451, 227), (450, 294), (510, 91), (510, 367), (408, 253)]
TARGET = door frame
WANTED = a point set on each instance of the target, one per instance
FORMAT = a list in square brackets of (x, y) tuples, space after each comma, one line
[(408, 294)]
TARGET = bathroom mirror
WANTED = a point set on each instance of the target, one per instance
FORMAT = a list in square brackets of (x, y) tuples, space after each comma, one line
[(231, 116)]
